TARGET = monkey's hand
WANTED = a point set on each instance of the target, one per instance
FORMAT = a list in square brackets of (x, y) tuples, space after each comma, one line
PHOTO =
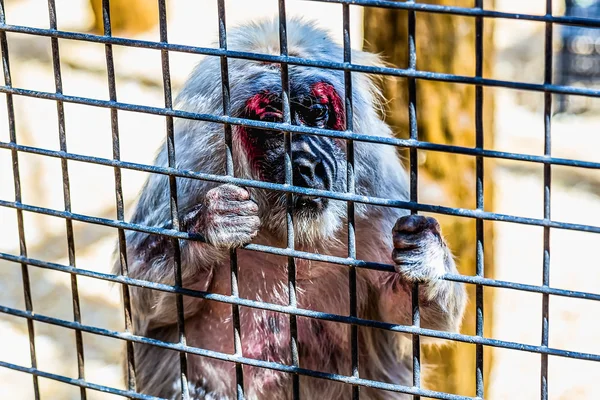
[(228, 218), (422, 256), (420, 253)]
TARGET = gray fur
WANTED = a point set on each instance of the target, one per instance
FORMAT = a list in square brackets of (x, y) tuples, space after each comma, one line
[(420, 254)]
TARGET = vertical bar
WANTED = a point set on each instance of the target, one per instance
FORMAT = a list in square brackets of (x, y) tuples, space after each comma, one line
[(235, 310), (285, 101), (114, 121), (479, 199), (414, 179), (564, 59), (67, 195), (548, 56), (350, 189), (162, 11), (10, 110)]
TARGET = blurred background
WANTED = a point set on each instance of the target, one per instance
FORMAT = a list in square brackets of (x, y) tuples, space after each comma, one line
[(513, 120)]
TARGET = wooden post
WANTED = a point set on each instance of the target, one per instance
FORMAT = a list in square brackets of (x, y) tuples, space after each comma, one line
[(128, 17), (446, 114)]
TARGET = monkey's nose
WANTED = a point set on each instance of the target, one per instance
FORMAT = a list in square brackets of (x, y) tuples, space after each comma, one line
[(311, 174), (316, 203)]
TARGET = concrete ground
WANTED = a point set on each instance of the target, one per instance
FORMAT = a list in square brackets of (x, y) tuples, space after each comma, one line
[(515, 375)]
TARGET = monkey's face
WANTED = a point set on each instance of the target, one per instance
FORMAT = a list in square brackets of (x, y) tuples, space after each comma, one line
[(318, 162)]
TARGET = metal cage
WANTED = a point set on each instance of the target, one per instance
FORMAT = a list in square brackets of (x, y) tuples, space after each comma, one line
[(412, 74)]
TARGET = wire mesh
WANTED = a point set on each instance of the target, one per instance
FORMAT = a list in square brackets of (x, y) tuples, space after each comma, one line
[(413, 76)]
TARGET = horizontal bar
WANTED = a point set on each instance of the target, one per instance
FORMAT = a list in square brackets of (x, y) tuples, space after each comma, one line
[(377, 201), (392, 141), (411, 73), (523, 287), (468, 12), (78, 382), (475, 280), (230, 357), (327, 316)]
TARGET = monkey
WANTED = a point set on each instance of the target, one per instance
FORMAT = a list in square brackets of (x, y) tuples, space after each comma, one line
[(230, 216)]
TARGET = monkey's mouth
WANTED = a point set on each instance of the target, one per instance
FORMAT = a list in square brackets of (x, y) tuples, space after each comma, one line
[(310, 204)]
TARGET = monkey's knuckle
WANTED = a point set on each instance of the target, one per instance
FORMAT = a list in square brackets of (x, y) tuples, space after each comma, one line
[(251, 206), (233, 192), (244, 208), (404, 241), (407, 255), (397, 256), (220, 208), (254, 223), (213, 194), (434, 225), (408, 223)]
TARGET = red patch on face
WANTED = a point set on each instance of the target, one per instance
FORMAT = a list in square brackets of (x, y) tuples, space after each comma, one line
[(326, 94), (258, 107)]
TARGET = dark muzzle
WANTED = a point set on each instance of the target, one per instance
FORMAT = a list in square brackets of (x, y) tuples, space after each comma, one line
[(314, 166)]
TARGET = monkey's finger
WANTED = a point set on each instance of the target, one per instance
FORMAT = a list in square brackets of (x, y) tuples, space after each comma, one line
[(249, 224), (406, 257), (232, 239), (229, 192), (244, 223), (416, 223), (406, 241), (250, 193), (413, 267), (233, 208)]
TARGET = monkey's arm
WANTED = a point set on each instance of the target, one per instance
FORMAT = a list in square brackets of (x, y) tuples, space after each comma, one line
[(422, 256), (226, 217)]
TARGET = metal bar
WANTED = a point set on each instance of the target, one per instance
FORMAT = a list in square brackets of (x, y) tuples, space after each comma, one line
[(231, 358), (340, 261), (303, 371), (564, 59), (12, 132), (467, 213), (350, 180), (414, 188), (114, 121), (81, 383), (466, 11), (548, 60), (399, 72), (229, 168), (479, 199), (67, 195), (291, 262), (408, 143), (166, 74), (408, 329)]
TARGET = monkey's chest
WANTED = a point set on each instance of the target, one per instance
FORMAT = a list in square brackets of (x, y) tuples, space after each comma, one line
[(268, 335), (272, 336)]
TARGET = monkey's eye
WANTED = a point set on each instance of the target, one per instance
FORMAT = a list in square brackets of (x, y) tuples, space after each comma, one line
[(269, 116), (318, 114)]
